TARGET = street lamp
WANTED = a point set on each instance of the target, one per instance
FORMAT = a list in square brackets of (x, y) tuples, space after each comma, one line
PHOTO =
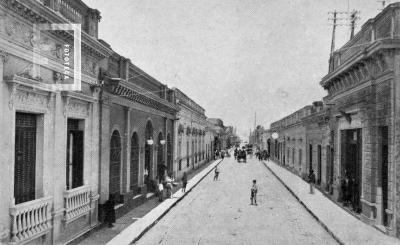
[(162, 142), (275, 135), (150, 141)]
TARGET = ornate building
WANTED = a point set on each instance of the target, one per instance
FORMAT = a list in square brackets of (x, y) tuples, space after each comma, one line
[(137, 133), (50, 148), (362, 86), (191, 143)]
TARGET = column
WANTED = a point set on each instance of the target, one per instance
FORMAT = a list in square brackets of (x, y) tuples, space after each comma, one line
[(6, 175), (126, 167)]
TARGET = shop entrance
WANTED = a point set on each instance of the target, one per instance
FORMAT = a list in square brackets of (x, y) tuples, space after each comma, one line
[(351, 149)]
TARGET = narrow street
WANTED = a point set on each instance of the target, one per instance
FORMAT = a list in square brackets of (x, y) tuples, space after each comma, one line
[(219, 212)]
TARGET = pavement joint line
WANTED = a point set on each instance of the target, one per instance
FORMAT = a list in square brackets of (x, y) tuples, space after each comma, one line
[(304, 205), (134, 240)]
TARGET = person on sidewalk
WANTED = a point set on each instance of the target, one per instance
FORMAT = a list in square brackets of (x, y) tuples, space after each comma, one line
[(184, 182), (160, 191), (253, 193), (168, 186), (311, 179), (216, 173), (109, 211)]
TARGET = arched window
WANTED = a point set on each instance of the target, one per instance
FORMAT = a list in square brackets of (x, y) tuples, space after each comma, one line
[(115, 164), (169, 153), (148, 156), (134, 165), (160, 157), (187, 153)]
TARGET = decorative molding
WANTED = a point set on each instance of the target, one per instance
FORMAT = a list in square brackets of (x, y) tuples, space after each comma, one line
[(132, 95), (30, 101), (76, 107), (3, 56)]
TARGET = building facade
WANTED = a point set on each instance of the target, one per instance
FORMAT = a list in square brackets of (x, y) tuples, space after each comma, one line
[(191, 143), (353, 136), (137, 133), (50, 150), (362, 90)]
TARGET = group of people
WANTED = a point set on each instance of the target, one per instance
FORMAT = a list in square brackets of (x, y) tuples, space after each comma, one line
[(237, 152), (168, 183), (349, 190), (221, 154), (262, 155)]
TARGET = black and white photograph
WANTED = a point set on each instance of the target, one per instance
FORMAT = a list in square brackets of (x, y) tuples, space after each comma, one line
[(199, 122)]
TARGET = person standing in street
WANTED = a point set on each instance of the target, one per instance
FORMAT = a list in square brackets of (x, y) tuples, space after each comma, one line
[(253, 194), (168, 186), (311, 178), (216, 173), (109, 211), (160, 191), (184, 182)]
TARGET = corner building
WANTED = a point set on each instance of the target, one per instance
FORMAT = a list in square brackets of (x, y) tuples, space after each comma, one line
[(363, 91), (50, 139), (355, 135)]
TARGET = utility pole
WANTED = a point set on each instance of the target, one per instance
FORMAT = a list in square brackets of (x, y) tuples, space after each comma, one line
[(335, 22), (383, 2), (333, 31), (255, 125), (353, 18)]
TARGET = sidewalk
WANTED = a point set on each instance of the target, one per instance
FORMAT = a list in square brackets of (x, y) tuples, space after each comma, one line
[(105, 234), (345, 228), (134, 224)]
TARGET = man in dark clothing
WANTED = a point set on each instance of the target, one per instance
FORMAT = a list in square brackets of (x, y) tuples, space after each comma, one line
[(109, 211), (311, 178), (184, 182)]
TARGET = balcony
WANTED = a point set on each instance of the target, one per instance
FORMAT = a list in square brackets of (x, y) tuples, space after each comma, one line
[(76, 203), (30, 220), (68, 11)]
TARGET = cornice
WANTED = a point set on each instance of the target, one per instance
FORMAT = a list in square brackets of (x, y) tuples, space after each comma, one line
[(35, 12), (133, 95), (388, 43)]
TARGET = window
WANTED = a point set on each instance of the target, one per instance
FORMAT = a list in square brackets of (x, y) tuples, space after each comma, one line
[(187, 154), (180, 154), (74, 165), (134, 166), (293, 151), (300, 157), (115, 164), (25, 157)]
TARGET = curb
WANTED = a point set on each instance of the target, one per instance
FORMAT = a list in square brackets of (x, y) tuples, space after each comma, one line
[(305, 206), (170, 207)]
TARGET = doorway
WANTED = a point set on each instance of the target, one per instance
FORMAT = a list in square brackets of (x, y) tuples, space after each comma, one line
[(384, 172), (115, 165), (351, 146), (319, 160)]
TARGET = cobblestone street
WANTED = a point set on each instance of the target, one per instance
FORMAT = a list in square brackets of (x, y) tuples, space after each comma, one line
[(219, 212)]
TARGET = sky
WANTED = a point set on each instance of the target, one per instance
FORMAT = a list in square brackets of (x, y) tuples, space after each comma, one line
[(238, 59)]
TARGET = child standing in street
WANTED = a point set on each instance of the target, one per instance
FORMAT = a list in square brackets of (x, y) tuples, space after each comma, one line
[(253, 196), (216, 173)]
